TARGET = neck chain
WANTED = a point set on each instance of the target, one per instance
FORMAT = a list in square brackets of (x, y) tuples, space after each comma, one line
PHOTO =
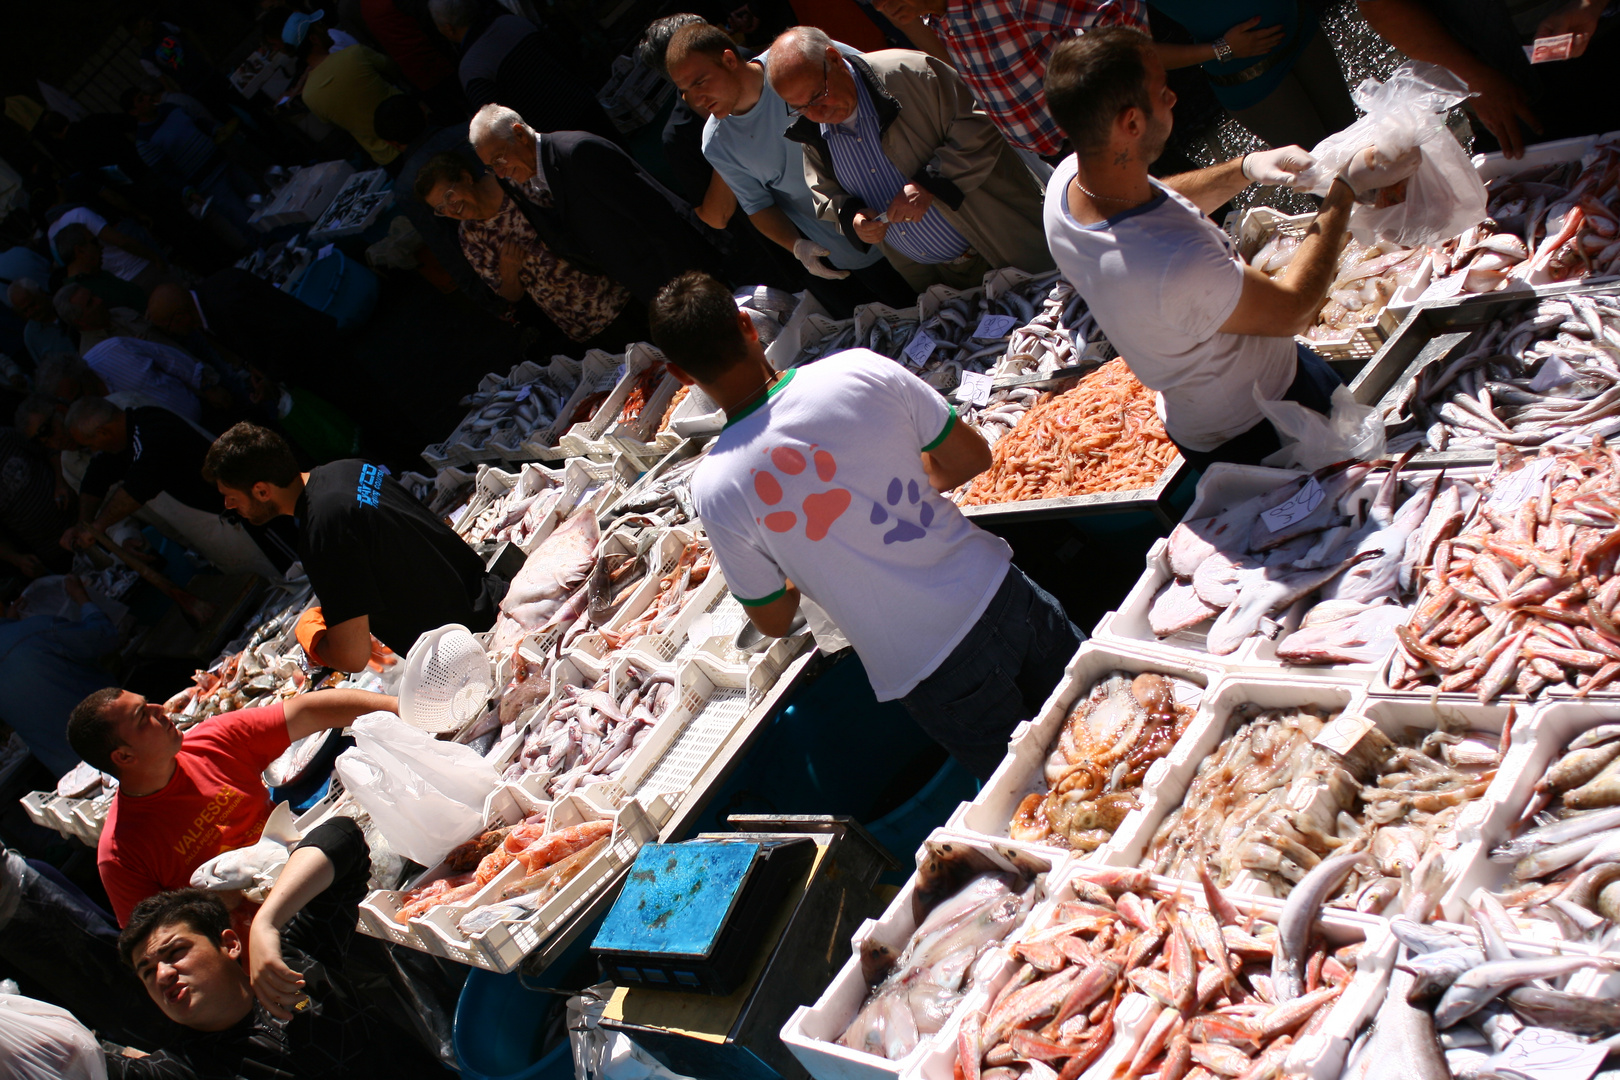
[(764, 388), (1094, 197)]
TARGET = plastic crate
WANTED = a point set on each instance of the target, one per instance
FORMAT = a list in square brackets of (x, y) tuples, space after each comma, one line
[(672, 644), (595, 369), (341, 287), (811, 1033), (664, 552), (1022, 771)]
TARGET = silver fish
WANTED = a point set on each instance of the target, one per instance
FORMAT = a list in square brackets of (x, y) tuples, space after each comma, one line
[(1299, 915), (1477, 987), (1402, 1044)]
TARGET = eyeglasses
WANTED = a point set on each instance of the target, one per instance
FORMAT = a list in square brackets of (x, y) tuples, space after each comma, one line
[(826, 87), (452, 205)]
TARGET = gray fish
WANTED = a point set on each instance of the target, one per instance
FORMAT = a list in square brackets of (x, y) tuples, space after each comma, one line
[(1267, 592), (1475, 988), (1402, 1044), (1433, 973), (1547, 836), (1578, 1013), (1299, 915)]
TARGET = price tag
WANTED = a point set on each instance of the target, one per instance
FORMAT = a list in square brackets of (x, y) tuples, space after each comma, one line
[(920, 348), (974, 388), (995, 327), (618, 375), (324, 252), (1343, 733), (1550, 1055), (1511, 489), (455, 515), (1554, 372), (1295, 509), (1547, 49)]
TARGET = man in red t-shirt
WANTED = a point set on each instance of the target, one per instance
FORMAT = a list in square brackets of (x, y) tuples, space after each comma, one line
[(185, 798)]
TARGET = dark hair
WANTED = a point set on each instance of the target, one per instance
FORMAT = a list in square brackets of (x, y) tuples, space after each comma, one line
[(126, 100), (654, 42), (694, 323), (399, 119), (198, 909), (70, 238), (705, 38), (91, 734), (248, 454), (1093, 78), (443, 168)]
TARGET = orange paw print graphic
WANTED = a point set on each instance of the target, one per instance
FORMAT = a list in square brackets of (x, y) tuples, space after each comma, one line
[(820, 509)]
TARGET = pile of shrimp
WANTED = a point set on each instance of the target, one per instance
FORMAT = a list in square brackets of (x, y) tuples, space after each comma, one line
[(689, 571), (1103, 435)]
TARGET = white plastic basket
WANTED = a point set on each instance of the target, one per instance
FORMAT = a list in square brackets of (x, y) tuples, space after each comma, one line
[(446, 681)]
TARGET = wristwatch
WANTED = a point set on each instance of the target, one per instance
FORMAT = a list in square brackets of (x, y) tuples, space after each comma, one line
[(1223, 51)]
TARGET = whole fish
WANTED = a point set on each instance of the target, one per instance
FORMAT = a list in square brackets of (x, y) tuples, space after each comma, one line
[(1299, 916), (1582, 1014), (553, 571), (1269, 592), (256, 867), (1479, 986), (1402, 1044)]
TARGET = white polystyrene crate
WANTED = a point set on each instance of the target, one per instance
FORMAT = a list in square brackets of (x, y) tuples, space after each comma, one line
[(1539, 738), (1319, 1057), (1212, 727), (503, 946), (1220, 488), (711, 701), (34, 805), (1555, 152), (1022, 771), (811, 1033)]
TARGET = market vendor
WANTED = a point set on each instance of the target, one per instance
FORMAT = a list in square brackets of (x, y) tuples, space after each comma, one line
[(827, 480), (185, 798), (380, 562), (155, 459), (1166, 285), (292, 1011)]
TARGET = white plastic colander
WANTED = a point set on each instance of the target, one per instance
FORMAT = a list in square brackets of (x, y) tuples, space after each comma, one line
[(446, 682)]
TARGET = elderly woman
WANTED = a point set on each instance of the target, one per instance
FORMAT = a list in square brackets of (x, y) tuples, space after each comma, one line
[(503, 248)]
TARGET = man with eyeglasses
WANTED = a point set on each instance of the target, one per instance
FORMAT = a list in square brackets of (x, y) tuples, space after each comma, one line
[(898, 155), (592, 204)]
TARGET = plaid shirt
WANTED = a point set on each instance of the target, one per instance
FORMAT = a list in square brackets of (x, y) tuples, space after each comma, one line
[(1001, 48)]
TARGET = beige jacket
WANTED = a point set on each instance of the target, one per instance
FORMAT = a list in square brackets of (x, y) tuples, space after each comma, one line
[(938, 137)]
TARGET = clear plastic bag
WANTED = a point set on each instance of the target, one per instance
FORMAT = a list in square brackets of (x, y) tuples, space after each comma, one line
[(1445, 196), (39, 1041), (424, 796), (1311, 440)]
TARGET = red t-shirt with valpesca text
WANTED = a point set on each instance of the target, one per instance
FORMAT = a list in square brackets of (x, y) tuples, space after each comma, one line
[(215, 802)]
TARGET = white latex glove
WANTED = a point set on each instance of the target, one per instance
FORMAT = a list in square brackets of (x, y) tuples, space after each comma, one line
[(1279, 167), (807, 250), (1370, 169)]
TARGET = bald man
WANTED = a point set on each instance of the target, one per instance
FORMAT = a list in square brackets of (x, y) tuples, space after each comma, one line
[(232, 310), (156, 458)]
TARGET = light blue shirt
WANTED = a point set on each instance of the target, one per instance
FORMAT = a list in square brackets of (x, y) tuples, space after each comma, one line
[(21, 262), (763, 169), (48, 665)]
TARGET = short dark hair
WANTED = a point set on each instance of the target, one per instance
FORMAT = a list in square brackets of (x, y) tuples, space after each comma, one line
[(442, 168), (198, 909), (1093, 78), (654, 42), (399, 119), (92, 735), (248, 454), (694, 323), (705, 38), (70, 238)]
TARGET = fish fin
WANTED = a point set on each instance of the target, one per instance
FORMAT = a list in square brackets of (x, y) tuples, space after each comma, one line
[(282, 827)]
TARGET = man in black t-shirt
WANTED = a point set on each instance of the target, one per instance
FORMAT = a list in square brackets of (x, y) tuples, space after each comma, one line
[(379, 561), (292, 1013), (157, 457)]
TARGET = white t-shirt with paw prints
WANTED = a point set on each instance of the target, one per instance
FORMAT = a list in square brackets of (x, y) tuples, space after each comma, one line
[(822, 484)]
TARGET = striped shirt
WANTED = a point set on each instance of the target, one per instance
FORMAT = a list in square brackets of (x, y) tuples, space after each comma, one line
[(863, 169), (1001, 47), (168, 376)]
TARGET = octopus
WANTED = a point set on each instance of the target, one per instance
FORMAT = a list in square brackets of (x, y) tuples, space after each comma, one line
[(1102, 752)]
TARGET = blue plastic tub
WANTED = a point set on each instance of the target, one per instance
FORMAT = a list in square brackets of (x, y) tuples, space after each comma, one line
[(903, 829), (500, 1031), (340, 287)]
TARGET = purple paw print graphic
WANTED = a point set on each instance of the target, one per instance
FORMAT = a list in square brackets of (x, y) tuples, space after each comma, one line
[(904, 530)]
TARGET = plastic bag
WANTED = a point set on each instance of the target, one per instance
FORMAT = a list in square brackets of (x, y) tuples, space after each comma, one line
[(424, 796), (1444, 197), (39, 1041), (1311, 440)]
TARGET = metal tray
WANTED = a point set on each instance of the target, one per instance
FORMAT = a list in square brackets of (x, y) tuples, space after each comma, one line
[(1148, 499)]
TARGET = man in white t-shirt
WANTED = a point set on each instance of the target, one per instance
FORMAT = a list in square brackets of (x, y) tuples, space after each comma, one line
[(827, 480), (1195, 323), (122, 255)]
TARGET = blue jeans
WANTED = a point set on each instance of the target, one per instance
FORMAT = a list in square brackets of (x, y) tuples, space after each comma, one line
[(999, 674)]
